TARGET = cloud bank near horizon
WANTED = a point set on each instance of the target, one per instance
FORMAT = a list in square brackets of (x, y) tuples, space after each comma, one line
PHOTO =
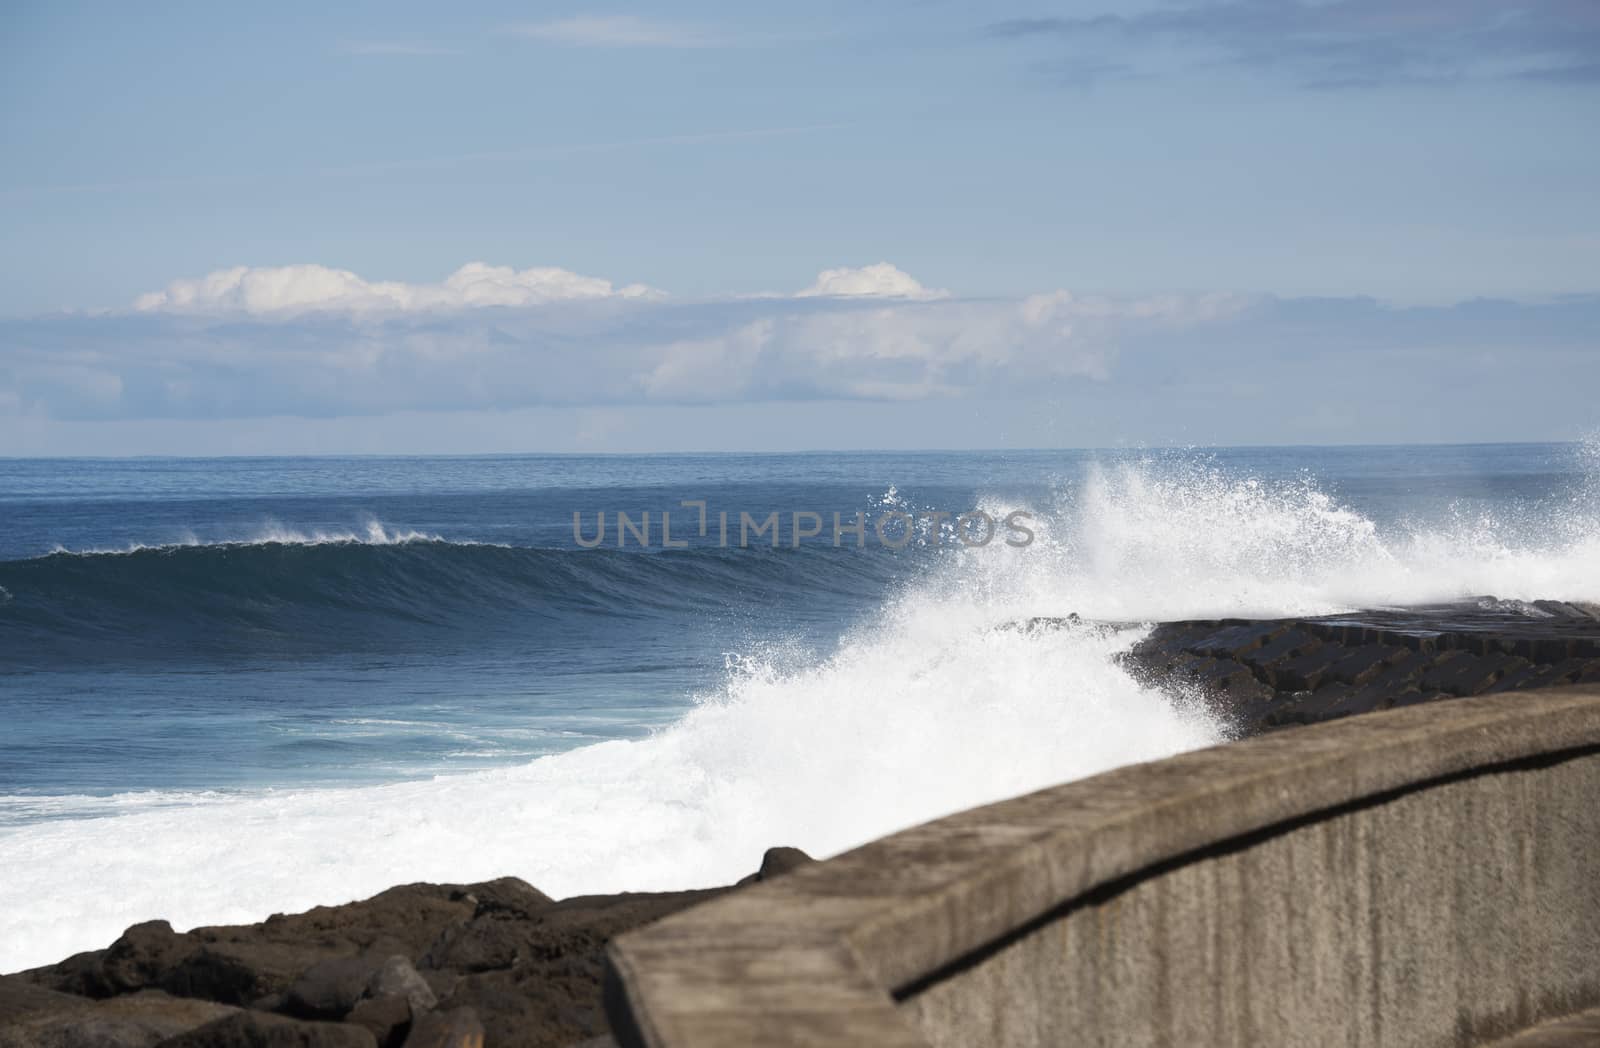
[(309, 287), (317, 342), (1335, 44)]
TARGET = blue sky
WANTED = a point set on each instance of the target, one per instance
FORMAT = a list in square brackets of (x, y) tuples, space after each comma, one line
[(771, 226)]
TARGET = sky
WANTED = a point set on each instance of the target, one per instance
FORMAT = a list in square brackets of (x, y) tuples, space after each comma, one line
[(543, 227)]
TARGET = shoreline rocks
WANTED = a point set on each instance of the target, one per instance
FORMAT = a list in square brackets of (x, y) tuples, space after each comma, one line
[(1266, 674), (501, 964), (417, 966)]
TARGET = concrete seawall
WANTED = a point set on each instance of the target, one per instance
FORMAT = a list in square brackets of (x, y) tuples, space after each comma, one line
[(1425, 876)]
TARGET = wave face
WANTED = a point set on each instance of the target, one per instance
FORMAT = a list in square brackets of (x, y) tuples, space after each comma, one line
[(929, 699), (311, 595)]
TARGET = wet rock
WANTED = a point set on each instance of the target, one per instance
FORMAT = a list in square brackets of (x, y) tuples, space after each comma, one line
[(1360, 665), (1281, 672), (1308, 672)]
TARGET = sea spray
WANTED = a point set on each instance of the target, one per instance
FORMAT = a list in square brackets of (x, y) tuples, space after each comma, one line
[(935, 701)]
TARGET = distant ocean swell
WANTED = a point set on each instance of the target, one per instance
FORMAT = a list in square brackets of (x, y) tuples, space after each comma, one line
[(932, 703)]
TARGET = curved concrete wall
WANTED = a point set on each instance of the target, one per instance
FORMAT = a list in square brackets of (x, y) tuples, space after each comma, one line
[(1427, 876)]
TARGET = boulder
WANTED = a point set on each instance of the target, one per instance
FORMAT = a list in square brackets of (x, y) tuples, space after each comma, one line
[(144, 956), (138, 1020), (397, 978), (388, 1018), (250, 1029), (505, 895), (776, 862), (21, 999), (482, 944), (330, 989), (457, 1028)]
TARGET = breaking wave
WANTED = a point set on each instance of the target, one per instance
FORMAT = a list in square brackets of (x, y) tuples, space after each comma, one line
[(934, 702)]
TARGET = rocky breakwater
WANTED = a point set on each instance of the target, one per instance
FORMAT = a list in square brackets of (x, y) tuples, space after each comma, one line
[(497, 964), (1264, 674)]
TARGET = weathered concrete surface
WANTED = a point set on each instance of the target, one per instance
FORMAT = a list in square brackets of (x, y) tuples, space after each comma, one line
[(1574, 1031), (1425, 876)]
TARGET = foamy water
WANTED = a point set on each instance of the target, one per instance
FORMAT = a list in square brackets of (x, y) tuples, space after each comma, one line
[(932, 705)]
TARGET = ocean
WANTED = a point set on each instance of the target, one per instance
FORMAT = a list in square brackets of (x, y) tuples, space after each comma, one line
[(233, 687)]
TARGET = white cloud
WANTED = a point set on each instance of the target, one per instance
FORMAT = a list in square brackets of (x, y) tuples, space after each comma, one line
[(881, 280), (313, 340), (911, 348), (310, 287), (616, 31)]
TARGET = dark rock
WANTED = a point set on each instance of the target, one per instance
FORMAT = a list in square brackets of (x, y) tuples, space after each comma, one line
[(143, 956), (1525, 676), (239, 972), (536, 982), (329, 989), (457, 1028), (505, 895), (1360, 665), (80, 974), (1239, 682), (776, 862), (1235, 641), (529, 968), (483, 944), (1307, 672), (1276, 673), (21, 999), (138, 1020), (264, 1030), (1289, 644), (243, 965), (397, 978), (1470, 674), (388, 1019)]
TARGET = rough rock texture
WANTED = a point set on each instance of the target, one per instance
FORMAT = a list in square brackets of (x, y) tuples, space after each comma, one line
[(457, 1028), (497, 964), (1267, 674), (776, 862), (263, 1030), (138, 1020)]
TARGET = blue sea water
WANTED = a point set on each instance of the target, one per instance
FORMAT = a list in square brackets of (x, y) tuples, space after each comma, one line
[(419, 651)]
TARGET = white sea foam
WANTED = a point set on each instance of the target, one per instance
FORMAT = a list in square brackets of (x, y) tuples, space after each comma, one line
[(371, 532), (936, 705)]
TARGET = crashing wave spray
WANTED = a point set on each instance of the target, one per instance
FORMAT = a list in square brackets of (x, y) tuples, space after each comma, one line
[(938, 703)]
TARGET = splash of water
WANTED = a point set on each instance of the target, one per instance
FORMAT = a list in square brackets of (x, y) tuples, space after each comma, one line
[(936, 704)]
